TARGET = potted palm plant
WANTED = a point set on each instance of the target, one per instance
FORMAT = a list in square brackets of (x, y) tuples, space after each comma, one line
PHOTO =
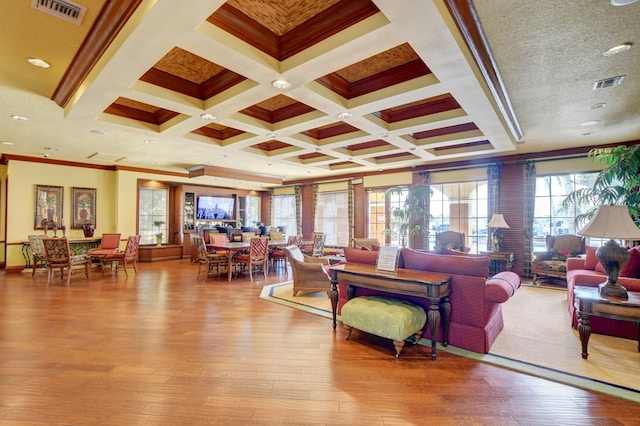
[(408, 221), (158, 224), (617, 184)]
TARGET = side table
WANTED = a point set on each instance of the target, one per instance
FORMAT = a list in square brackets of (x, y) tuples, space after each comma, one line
[(588, 302), (497, 257)]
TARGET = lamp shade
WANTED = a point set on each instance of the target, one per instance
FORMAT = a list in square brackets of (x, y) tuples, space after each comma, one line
[(612, 222), (497, 221)]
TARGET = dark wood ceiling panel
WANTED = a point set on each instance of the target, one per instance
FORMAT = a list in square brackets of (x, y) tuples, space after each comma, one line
[(217, 131), (183, 72), (464, 145), (449, 130), (140, 111), (318, 27), (367, 145), (388, 68), (269, 146), (330, 130), (422, 108), (276, 109)]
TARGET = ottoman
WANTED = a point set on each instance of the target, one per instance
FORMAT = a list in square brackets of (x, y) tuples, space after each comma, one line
[(384, 317)]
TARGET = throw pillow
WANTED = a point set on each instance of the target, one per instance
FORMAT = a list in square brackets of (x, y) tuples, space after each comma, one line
[(632, 267), (591, 261)]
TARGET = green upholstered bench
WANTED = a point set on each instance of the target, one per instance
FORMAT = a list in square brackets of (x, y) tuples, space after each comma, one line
[(384, 317)]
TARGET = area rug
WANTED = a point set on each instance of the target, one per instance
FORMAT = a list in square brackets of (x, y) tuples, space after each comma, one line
[(537, 340)]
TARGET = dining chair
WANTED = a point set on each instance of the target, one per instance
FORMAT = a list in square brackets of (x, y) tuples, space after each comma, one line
[(109, 243), (59, 256), (278, 255), (37, 252), (211, 260), (257, 255), (129, 255)]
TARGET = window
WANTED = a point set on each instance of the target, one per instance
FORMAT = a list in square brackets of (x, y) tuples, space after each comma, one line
[(332, 217), (284, 213), (460, 207), (377, 215), (153, 208), (397, 229), (252, 210), (549, 216)]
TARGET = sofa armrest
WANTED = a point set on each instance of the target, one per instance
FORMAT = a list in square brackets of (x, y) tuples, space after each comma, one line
[(574, 263), (502, 286)]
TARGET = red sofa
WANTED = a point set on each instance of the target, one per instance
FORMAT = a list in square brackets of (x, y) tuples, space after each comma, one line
[(586, 271), (476, 313)]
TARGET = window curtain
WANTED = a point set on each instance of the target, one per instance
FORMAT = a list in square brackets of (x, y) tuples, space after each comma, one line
[(313, 205), (298, 194), (528, 211), (426, 181), (350, 209), (270, 216), (493, 193)]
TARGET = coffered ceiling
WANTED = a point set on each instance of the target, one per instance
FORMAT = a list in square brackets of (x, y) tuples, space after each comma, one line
[(375, 84)]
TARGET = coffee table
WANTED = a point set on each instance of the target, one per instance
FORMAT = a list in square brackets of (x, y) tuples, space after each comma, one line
[(588, 302)]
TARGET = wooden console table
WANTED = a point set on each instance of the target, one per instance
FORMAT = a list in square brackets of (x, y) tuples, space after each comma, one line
[(431, 286), (588, 302)]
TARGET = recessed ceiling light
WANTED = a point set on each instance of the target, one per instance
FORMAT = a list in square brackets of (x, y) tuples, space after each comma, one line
[(622, 2), (384, 135), (98, 132), (618, 48), (7, 143), (598, 105), (19, 117), (281, 84), (223, 155), (412, 149), (271, 135), (52, 149), (344, 115), (590, 123), (208, 116), (586, 134), (149, 141), (38, 63)]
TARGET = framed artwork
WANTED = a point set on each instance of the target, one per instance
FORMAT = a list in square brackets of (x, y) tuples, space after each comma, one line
[(83, 207), (48, 206)]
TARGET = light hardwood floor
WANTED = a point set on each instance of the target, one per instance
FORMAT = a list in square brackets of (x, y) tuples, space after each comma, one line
[(162, 348)]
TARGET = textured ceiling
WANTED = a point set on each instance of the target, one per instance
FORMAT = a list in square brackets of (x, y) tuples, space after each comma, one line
[(402, 70)]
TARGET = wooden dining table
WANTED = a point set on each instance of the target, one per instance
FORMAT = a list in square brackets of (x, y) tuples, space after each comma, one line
[(234, 247)]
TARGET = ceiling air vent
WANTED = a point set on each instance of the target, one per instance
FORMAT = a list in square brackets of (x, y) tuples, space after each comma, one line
[(609, 82), (62, 9)]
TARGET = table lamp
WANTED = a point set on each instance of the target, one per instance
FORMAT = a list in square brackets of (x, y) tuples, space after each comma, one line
[(497, 222), (612, 222)]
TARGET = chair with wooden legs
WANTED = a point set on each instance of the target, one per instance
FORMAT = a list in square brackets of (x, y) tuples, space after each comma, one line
[(59, 257), (278, 255), (39, 258), (211, 260), (258, 255), (129, 255), (110, 243)]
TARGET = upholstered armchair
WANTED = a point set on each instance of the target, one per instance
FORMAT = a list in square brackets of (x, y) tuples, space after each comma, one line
[(309, 273), (366, 242), (553, 261), (451, 240)]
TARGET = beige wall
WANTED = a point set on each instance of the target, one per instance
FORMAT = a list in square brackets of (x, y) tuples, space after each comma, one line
[(116, 200)]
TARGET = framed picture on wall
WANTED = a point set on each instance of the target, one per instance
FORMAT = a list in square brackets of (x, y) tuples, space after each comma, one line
[(48, 206), (83, 207)]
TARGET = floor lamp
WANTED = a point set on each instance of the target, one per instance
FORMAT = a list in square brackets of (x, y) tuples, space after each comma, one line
[(498, 223), (613, 222)]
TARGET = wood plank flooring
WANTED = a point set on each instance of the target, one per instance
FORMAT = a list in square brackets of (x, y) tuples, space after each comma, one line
[(162, 348)]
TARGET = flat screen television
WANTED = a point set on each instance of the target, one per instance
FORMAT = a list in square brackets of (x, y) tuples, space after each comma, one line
[(211, 207)]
